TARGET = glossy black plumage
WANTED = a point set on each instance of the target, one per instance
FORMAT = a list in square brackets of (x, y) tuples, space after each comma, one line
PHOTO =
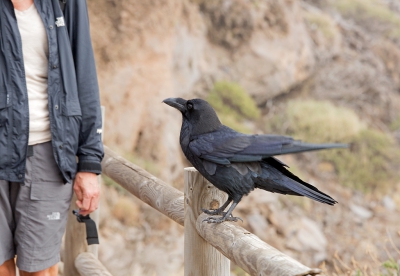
[(237, 163)]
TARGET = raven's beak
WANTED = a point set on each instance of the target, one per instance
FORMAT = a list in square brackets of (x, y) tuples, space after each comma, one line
[(177, 103)]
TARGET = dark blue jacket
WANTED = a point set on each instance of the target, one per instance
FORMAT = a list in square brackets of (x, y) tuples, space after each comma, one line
[(73, 93)]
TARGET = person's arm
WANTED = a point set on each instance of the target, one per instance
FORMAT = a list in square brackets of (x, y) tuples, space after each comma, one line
[(90, 151)]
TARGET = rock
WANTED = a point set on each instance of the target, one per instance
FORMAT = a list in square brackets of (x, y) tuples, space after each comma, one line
[(388, 203), (258, 224), (308, 236), (360, 211)]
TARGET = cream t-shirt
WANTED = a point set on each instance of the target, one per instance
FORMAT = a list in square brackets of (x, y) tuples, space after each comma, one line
[(35, 51)]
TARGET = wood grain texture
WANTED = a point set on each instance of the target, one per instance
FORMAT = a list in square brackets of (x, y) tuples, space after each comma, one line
[(75, 241), (200, 257), (145, 186), (237, 244), (87, 264), (248, 251)]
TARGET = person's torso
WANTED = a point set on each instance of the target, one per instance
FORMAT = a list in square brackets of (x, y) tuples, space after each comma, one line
[(35, 55)]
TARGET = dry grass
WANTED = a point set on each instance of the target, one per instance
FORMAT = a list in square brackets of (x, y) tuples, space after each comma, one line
[(321, 22), (390, 266), (372, 12)]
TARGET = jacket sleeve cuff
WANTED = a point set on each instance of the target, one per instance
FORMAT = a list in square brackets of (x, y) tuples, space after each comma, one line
[(89, 166)]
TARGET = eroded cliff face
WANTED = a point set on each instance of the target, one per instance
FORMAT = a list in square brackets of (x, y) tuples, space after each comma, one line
[(276, 50), (150, 50), (134, 43)]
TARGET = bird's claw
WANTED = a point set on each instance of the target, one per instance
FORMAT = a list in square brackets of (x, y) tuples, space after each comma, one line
[(213, 212), (222, 219), (214, 220)]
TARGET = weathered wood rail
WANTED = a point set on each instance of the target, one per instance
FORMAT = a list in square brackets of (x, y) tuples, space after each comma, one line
[(208, 247)]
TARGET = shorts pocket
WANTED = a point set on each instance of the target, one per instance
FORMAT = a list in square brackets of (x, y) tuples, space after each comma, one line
[(47, 181), (50, 191)]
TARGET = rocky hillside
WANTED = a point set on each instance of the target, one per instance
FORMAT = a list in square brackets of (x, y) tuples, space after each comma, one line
[(307, 64)]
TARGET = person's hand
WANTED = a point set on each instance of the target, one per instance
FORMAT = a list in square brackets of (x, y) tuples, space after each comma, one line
[(87, 191)]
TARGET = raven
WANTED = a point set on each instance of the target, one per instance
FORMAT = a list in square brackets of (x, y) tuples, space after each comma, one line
[(236, 163)]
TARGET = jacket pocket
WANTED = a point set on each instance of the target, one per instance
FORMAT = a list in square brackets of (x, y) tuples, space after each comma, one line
[(72, 108), (72, 120), (5, 103)]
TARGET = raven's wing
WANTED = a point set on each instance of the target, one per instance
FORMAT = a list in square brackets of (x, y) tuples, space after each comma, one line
[(226, 146)]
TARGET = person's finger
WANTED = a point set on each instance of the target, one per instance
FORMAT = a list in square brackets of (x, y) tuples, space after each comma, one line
[(86, 202), (78, 191), (94, 204), (79, 203), (79, 194)]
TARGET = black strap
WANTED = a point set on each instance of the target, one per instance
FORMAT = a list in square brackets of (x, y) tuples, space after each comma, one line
[(62, 4), (91, 230)]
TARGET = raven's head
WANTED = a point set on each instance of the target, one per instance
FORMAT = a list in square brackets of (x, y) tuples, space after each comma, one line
[(198, 113)]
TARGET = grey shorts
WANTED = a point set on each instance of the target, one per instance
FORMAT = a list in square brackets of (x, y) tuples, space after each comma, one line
[(33, 214)]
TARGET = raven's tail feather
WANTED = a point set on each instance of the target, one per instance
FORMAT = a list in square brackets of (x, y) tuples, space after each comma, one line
[(299, 146), (314, 194), (288, 183)]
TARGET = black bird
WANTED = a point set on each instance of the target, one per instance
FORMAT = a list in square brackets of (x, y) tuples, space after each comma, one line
[(237, 163)]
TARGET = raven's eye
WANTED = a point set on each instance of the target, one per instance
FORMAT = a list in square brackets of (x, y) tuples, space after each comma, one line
[(189, 106)]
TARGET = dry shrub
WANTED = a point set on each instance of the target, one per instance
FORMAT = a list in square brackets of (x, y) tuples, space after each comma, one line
[(321, 22), (321, 121), (370, 164), (389, 266)]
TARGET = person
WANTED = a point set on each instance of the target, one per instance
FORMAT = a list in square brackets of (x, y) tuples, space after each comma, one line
[(50, 126)]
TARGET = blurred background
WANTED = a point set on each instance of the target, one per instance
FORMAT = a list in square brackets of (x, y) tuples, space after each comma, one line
[(317, 70)]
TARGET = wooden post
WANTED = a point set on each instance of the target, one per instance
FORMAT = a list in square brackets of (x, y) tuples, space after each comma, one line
[(200, 257), (88, 265), (75, 241)]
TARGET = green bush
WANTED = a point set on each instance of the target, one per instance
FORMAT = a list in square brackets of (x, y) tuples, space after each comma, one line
[(232, 104), (395, 125), (317, 122), (391, 267), (367, 165), (370, 162)]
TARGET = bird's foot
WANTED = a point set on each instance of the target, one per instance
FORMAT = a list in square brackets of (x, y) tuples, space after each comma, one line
[(222, 219), (213, 212)]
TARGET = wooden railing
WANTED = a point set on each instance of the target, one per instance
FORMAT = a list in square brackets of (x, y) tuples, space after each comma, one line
[(209, 247)]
